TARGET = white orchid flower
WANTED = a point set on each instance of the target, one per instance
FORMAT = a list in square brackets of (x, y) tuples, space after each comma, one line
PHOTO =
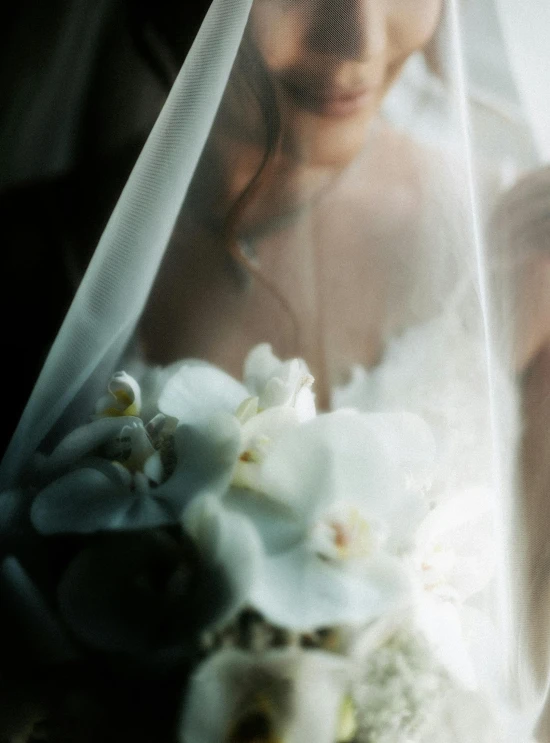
[(346, 508), (197, 389), (440, 623), (276, 397), (200, 391), (96, 494), (123, 398), (455, 546), (279, 383), (258, 434), (117, 430), (284, 696), (345, 475), (123, 436), (454, 560), (132, 450)]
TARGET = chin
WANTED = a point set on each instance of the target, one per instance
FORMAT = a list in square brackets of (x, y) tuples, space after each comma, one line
[(327, 141), (337, 150)]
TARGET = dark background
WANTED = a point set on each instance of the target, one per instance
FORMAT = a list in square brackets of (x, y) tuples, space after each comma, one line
[(81, 84)]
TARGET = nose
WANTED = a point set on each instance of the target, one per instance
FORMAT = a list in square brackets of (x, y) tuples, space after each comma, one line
[(349, 29)]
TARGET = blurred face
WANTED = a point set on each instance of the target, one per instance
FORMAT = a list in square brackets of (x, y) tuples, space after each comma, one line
[(332, 62)]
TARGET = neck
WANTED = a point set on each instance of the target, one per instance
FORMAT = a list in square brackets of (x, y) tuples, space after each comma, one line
[(285, 190)]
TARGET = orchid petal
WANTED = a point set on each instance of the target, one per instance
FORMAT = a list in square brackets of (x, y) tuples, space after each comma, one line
[(131, 446), (305, 403), (277, 525), (439, 621), (270, 423), (258, 435), (279, 383), (260, 366), (84, 440), (83, 501), (208, 451), (247, 409), (152, 380), (341, 455), (232, 551), (463, 528), (153, 468), (87, 501), (198, 390), (300, 591), (14, 508), (124, 397)]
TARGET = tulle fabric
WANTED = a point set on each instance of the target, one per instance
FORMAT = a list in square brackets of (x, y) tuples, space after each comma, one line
[(112, 295), (464, 120)]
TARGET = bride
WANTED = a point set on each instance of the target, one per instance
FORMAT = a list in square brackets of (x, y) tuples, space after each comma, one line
[(315, 225), (301, 178), (336, 218)]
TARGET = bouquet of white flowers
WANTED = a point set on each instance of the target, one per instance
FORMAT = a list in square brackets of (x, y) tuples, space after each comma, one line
[(299, 569)]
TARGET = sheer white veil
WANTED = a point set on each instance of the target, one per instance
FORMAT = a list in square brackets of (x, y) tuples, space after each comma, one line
[(113, 293), (525, 36), (115, 288), (488, 101)]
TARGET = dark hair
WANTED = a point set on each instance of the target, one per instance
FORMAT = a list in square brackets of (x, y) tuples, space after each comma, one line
[(256, 82), (163, 35)]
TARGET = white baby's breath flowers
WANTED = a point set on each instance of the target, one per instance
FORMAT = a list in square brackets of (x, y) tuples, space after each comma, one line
[(398, 690)]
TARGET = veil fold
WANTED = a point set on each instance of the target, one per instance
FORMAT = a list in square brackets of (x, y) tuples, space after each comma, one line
[(112, 294)]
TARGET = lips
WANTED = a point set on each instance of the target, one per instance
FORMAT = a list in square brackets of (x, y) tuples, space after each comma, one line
[(327, 100)]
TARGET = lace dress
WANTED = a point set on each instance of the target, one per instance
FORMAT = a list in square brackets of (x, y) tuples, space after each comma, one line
[(439, 370)]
